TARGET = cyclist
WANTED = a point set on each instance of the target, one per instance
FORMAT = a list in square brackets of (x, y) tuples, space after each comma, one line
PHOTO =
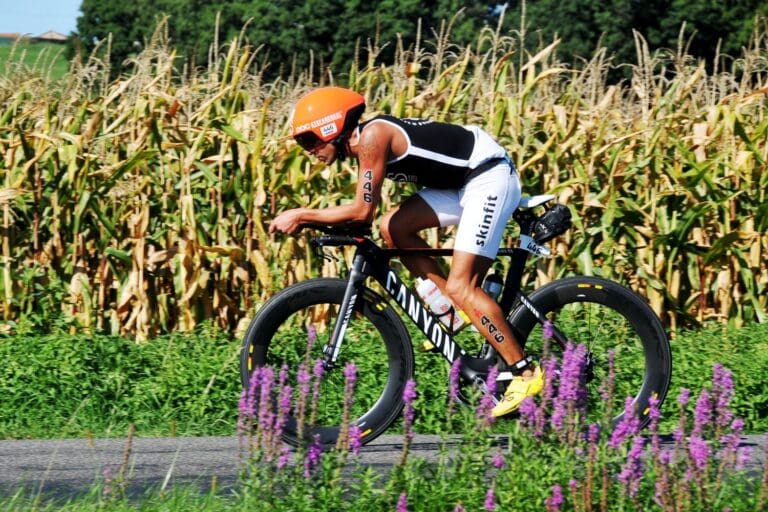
[(468, 180)]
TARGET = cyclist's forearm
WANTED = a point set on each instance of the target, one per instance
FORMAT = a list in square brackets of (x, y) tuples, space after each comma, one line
[(336, 215)]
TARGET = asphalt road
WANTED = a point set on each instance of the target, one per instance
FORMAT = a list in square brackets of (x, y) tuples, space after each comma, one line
[(69, 467)]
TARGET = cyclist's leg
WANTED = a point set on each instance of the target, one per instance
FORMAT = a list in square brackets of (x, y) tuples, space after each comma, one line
[(400, 227), (488, 202), (464, 287)]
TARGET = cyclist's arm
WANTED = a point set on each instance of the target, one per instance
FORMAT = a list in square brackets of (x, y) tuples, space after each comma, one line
[(372, 152)]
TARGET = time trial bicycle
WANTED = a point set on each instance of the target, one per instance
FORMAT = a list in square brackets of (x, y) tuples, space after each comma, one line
[(355, 323)]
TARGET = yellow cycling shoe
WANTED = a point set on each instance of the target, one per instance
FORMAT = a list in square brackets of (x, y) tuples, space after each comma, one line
[(518, 389)]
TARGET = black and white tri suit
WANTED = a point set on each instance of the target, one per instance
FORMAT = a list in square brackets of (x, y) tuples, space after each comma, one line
[(468, 178)]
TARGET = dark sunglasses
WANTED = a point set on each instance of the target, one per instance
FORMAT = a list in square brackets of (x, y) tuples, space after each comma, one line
[(308, 141)]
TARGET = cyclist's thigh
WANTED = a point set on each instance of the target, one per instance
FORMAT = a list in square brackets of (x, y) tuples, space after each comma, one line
[(488, 201), (444, 203), (409, 217)]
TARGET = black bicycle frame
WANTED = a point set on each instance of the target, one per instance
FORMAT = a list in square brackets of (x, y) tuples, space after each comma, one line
[(372, 261)]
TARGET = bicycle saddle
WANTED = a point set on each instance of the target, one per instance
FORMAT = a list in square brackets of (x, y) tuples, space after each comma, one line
[(533, 201)]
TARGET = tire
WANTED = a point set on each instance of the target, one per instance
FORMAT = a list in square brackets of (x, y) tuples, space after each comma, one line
[(604, 315), (376, 341)]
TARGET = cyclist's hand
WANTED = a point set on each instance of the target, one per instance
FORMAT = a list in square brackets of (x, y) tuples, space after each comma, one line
[(288, 222)]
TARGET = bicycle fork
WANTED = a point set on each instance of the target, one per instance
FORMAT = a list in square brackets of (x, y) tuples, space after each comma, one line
[(354, 285)]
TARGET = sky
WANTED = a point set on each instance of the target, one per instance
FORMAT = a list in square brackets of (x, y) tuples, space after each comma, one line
[(37, 16)]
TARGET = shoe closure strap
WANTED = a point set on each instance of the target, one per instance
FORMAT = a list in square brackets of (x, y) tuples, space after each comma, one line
[(515, 369)]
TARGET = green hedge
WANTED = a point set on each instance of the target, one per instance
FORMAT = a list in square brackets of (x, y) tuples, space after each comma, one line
[(55, 386)]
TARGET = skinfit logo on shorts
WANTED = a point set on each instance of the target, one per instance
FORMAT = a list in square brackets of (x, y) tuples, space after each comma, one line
[(489, 208), (327, 120)]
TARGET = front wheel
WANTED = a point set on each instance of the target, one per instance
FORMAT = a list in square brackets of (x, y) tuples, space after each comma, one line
[(292, 329), (603, 316)]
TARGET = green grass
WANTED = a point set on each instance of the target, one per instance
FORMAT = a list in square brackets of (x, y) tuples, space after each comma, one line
[(65, 386), (72, 383), (46, 58), (188, 384)]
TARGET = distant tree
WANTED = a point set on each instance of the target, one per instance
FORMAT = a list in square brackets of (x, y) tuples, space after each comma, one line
[(291, 33), (125, 21), (709, 23), (294, 32), (326, 32), (585, 25)]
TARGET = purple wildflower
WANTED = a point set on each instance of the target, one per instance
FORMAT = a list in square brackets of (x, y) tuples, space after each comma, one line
[(698, 449), (722, 391), (253, 385), (285, 457), (571, 395), (266, 384), (606, 387), (487, 400), (312, 459), (244, 416), (409, 395), (702, 415), (653, 412), (678, 435), (742, 457), (350, 377), (355, 439), (303, 379), (311, 335), (350, 372), (498, 459), (453, 385), (490, 500), (550, 380), (632, 471), (683, 397), (555, 501), (459, 508), (402, 502), (731, 442), (660, 490), (551, 371), (281, 418), (593, 434), (548, 329), (318, 371), (529, 413), (627, 427), (242, 404)]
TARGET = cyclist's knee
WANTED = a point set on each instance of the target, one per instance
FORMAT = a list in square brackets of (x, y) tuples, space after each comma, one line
[(384, 228), (393, 233)]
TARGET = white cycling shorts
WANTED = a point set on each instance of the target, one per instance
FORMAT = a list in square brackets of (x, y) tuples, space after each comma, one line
[(481, 208)]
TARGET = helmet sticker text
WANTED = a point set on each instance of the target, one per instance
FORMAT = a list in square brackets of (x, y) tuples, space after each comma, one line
[(320, 122), (328, 130)]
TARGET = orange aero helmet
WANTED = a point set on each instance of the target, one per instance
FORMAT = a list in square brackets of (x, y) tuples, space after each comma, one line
[(327, 114)]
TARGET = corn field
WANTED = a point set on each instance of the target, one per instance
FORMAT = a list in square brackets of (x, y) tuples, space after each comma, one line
[(141, 204)]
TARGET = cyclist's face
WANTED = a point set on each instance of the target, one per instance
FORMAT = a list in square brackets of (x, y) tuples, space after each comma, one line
[(325, 152)]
